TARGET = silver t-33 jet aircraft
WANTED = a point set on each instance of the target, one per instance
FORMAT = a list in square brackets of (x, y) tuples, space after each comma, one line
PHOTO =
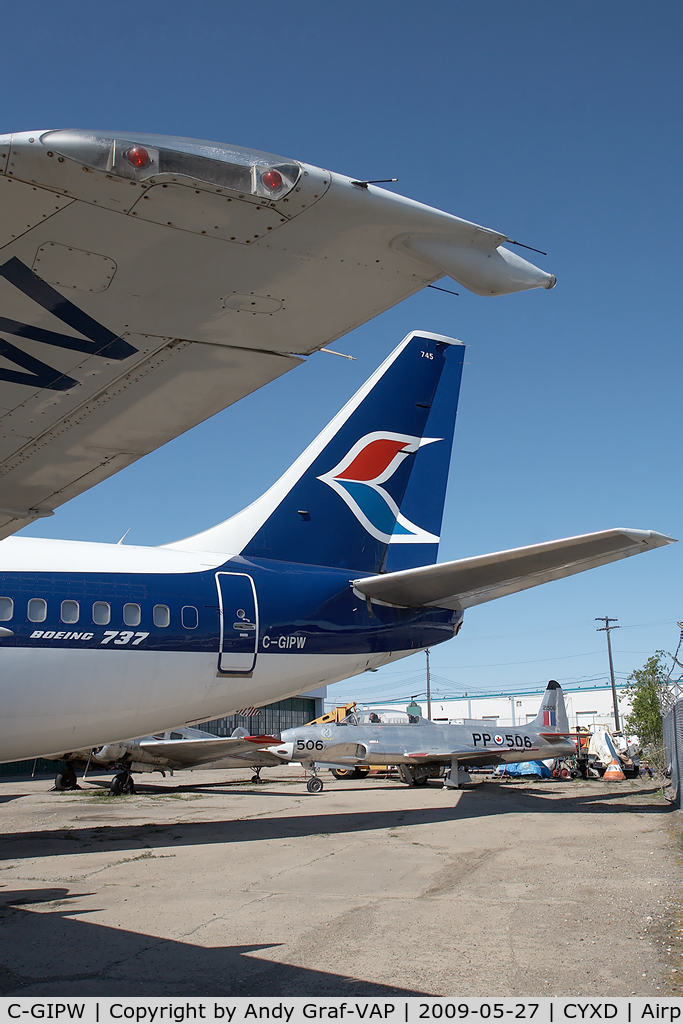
[(173, 750), (420, 747)]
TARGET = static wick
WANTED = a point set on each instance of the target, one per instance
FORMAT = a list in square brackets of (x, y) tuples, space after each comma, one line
[(529, 247), (331, 352), (375, 181), (446, 290)]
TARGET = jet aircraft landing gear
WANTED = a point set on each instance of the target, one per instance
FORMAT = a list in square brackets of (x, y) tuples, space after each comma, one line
[(66, 779), (257, 780), (122, 784), (314, 784)]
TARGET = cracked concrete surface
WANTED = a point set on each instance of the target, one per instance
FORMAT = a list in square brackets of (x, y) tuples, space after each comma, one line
[(202, 885)]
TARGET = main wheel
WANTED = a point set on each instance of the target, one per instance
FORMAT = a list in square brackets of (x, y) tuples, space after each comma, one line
[(122, 785), (314, 785), (420, 780), (66, 780)]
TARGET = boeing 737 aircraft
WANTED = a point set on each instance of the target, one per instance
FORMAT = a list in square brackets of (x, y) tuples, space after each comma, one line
[(329, 573)]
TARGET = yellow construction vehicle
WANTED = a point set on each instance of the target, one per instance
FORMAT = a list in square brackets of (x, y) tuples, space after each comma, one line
[(337, 715)]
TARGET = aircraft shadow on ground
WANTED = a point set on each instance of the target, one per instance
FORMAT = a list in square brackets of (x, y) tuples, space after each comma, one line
[(479, 803), (47, 953)]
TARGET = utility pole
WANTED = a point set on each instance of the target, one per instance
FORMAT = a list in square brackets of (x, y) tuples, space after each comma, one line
[(429, 689), (606, 629)]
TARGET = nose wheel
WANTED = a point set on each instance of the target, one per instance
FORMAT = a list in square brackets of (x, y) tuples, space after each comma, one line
[(314, 785)]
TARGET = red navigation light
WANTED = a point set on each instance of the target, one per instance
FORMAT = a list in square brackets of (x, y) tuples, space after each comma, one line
[(138, 157), (272, 180)]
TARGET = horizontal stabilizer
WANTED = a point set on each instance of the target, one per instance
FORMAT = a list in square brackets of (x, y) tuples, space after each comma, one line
[(470, 581)]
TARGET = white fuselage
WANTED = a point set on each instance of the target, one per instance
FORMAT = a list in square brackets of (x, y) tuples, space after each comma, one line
[(60, 693)]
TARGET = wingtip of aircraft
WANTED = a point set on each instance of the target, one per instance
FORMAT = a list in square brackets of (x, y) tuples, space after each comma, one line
[(650, 537)]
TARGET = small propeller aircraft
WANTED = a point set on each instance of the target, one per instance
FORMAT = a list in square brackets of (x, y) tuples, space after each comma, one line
[(420, 748), (173, 750)]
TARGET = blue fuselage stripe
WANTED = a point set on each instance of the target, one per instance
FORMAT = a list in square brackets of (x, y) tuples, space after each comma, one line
[(301, 610)]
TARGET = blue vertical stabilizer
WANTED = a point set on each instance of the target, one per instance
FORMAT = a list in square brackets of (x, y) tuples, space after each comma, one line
[(368, 493)]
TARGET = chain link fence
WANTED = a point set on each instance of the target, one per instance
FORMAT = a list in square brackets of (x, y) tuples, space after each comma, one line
[(672, 720)]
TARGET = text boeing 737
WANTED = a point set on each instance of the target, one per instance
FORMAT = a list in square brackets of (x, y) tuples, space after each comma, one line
[(329, 573)]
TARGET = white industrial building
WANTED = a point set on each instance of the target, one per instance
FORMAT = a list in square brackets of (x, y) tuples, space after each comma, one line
[(589, 705)]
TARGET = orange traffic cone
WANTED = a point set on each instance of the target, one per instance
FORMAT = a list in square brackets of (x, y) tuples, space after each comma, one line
[(614, 772)]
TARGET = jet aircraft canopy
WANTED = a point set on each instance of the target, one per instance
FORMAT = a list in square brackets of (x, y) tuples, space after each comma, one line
[(380, 718)]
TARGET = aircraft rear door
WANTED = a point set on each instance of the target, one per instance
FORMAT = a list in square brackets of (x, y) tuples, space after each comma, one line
[(238, 609)]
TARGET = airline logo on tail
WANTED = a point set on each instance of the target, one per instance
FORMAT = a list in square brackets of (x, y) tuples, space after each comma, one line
[(357, 479)]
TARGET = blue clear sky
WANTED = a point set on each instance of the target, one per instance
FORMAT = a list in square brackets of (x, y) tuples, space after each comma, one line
[(558, 124)]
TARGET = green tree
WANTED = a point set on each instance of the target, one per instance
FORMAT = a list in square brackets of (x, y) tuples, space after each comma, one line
[(643, 691)]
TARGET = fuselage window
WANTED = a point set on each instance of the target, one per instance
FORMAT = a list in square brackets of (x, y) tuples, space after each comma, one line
[(161, 615), (70, 611), (101, 613), (131, 614), (189, 616), (6, 609), (37, 610)]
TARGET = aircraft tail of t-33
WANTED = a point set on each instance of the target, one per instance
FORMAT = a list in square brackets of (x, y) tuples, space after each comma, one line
[(552, 714), (368, 493)]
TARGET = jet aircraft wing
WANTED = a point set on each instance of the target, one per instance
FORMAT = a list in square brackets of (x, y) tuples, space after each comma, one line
[(199, 751), (148, 282), (470, 581)]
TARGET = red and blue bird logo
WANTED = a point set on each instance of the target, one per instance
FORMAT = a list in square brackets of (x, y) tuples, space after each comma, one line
[(358, 479)]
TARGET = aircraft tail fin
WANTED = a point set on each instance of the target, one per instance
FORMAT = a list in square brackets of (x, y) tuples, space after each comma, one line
[(369, 492), (552, 714)]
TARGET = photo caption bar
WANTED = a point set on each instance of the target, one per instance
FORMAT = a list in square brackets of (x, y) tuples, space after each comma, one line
[(299, 1009)]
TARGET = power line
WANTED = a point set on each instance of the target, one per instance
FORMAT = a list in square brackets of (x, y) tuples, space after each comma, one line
[(533, 661), (466, 638)]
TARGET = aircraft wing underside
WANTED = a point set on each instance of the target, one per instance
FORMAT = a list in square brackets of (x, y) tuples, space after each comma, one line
[(146, 283), (470, 581), (198, 752)]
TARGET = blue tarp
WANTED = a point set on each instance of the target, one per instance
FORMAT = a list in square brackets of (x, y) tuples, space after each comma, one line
[(525, 768)]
